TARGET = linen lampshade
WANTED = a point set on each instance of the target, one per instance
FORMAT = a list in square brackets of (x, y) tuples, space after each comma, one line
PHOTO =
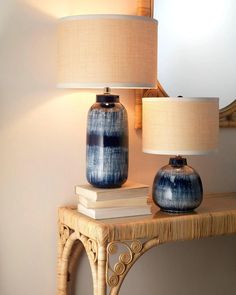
[(97, 51), (180, 126)]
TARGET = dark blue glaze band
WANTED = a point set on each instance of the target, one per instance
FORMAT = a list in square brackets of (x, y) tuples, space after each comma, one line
[(107, 141)]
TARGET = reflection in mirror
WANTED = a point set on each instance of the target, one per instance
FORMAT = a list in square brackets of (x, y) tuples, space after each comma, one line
[(197, 45)]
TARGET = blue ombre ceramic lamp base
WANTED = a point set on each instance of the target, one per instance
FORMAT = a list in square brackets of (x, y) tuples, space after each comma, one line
[(177, 188), (107, 142)]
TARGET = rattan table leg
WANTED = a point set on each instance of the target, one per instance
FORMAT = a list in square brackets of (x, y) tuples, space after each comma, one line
[(65, 244), (67, 258), (101, 270), (76, 252)]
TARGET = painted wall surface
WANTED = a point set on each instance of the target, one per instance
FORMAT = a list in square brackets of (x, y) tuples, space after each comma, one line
[(42, 144)]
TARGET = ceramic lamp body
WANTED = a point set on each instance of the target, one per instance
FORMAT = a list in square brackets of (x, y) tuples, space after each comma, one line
[(107, 143), (177, 187)]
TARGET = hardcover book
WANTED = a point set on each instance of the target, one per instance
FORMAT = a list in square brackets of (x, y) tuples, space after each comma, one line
[(105, 213), (124, 202), (128, 190)]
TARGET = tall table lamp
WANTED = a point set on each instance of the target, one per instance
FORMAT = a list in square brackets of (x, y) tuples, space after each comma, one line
[(179, 127), (107, 51)]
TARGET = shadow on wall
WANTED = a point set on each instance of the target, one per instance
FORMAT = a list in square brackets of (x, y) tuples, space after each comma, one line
[(28, 66), (28, 74)]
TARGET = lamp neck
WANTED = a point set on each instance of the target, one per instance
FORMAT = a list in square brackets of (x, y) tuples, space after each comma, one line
[(178, 161), (107, 90), (107, 97)]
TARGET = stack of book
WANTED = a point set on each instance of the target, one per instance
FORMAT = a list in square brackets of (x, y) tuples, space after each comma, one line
[(128, 200)]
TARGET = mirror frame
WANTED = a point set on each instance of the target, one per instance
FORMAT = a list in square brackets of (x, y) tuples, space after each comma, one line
[(227, 115)]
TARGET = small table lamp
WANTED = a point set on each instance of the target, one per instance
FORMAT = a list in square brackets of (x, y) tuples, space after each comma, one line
[(179, 126), (102, 51)]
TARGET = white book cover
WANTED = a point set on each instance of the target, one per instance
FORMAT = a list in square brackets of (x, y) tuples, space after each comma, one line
[(128, 190), (127, 202), (107, 213)]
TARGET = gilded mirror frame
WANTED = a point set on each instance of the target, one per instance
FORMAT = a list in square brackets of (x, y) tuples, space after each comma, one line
[(227, 114)]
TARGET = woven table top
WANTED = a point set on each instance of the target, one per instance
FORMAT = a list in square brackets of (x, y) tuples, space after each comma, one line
[(216, 216)]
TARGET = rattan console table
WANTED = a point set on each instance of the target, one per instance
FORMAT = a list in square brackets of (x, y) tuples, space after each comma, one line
[(114, 245)]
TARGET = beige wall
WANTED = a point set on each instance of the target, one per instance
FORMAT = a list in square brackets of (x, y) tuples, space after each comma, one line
[(42, 144)]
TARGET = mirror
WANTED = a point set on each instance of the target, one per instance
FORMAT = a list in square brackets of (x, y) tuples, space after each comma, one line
[(196, 49), (196, 52)]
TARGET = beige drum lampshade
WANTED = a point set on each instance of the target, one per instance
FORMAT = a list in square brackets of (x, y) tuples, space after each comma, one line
[(180, 126), (96, 51)]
